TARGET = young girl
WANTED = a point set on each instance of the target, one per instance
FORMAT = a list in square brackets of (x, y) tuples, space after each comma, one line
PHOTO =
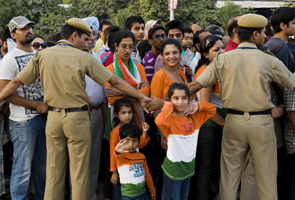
[(181, 132), (123, 111)]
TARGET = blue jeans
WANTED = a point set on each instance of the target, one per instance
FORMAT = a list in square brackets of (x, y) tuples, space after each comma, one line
[(175, 190), (29, 152), (117, 194), (141, 197)]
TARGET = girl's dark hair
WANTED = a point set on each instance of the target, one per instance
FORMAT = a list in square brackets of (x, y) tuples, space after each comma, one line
[(112, 36), (130, 130), (178, 86), (170, 41), (39, 36), (124, 34), (117, 107), (206, 44)]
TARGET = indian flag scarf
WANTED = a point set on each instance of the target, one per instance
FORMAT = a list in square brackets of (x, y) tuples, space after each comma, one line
[(131, 76)]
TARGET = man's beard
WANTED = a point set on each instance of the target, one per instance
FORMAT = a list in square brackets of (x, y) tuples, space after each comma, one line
[(28, 40), (91, 44)]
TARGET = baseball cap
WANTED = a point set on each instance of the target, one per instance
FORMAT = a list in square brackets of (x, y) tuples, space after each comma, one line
[(19, 22), (153, 22)]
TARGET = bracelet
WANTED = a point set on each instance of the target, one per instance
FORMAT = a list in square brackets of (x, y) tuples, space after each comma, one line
[(3, 114)]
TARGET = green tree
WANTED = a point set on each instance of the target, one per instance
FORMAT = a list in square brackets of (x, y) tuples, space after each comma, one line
[(198, 11), (290, 4), (228, 10)]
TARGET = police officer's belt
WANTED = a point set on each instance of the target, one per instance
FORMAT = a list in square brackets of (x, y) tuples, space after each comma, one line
[(68, 109), (235, 112)]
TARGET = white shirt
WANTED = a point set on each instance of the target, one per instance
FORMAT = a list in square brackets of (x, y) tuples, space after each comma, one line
[(13, 62), (96, 92)]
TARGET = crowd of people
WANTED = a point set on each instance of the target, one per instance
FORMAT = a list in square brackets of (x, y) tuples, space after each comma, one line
[(158, 112)]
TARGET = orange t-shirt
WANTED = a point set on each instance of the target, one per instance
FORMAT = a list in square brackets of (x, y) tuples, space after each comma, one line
[(161, 82), (141, 70), (114, 140), (134, 174)]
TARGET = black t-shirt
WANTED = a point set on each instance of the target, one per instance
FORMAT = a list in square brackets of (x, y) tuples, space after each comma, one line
[(280, 49)]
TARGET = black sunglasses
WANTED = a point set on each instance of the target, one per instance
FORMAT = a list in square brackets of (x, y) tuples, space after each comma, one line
[(36, 45)]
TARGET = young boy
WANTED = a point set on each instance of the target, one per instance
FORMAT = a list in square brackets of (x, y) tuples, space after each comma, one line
[(132, 166), (136, 25)]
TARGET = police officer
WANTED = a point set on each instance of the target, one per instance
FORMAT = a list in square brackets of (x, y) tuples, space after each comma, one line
[(244, 76), (62, 71)]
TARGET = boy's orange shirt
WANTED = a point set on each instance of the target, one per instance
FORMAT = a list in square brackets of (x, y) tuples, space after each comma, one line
[(114, 140), (134, 174)]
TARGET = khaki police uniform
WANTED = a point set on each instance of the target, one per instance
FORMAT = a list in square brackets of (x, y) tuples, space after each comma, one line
[(244, 76), (62, 70)]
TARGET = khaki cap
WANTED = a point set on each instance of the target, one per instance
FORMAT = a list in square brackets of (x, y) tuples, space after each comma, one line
[(79, 24), (252, 21), (153, 22)]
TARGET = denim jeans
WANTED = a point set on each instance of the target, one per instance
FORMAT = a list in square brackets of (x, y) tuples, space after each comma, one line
[(208, 152), (175, 190), (117, 194), (29, 145), (141, 197)]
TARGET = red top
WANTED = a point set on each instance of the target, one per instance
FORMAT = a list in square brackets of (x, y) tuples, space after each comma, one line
[(231, 45)]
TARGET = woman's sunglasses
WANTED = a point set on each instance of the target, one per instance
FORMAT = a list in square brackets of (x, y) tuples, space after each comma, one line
[(36, 45)]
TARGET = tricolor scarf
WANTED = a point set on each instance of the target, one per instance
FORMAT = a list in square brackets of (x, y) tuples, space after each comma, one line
[(132, 77)]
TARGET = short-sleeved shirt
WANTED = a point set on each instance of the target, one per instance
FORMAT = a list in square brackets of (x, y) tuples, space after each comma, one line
[(244, 77), (11, 65), (280, 49), (161, 82), (62, 69), (149, 62)]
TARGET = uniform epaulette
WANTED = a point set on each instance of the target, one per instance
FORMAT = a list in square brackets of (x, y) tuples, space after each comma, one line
[(269, 53)]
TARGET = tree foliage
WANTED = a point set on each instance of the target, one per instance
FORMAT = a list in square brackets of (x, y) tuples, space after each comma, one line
[(229, 10), (50, 17)]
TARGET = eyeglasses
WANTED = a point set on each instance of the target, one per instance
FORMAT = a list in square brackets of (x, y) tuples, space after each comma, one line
[(188, 38), (36, 45), (212, 38), (125, 47), (158, 37)]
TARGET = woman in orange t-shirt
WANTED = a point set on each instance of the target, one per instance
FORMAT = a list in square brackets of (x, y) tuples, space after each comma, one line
[(209, 142), (162, 79), (171, 53)]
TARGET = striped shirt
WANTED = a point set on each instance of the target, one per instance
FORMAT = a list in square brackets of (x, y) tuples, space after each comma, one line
[(182, 135), (149, 62), (134, 174)]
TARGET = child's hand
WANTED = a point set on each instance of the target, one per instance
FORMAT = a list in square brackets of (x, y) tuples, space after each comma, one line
[(145, 127), (123, 146), (115, 178), (191, 108), (154, 198)]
